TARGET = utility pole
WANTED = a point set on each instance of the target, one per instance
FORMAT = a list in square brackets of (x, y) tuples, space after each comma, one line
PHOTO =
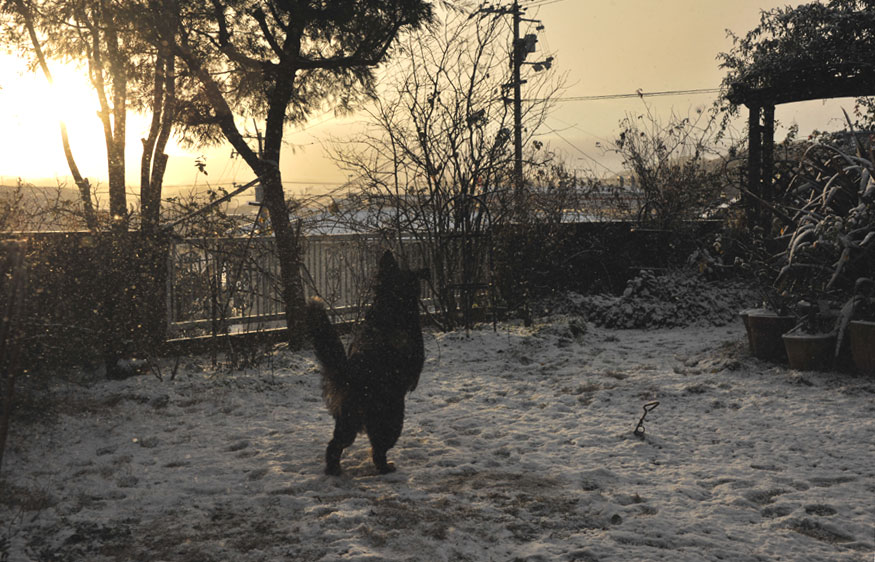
[(517, 63), (520, 49)]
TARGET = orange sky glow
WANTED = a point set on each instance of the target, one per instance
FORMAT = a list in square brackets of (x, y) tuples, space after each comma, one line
[(605, 47)]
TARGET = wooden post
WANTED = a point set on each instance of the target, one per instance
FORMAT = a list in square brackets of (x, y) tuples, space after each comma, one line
[(768, 152), (754, 151), (754, 160)]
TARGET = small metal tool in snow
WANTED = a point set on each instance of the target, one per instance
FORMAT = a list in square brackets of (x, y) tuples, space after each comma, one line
[(639, 429)]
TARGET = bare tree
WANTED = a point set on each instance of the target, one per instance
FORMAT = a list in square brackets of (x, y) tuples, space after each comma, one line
[(435, 161), (676, 165)]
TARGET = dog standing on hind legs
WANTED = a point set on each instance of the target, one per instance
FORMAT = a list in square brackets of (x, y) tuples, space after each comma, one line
[(364, 389)]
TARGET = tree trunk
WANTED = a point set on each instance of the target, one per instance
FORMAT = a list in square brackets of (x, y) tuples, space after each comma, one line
[(266, 167), (154, 160), (288, 236), (288, 247)]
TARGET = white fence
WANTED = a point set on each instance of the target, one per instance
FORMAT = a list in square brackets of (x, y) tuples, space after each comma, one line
[(219, 285)]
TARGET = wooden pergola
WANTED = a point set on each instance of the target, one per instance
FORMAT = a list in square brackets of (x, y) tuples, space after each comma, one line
[(847, 81)]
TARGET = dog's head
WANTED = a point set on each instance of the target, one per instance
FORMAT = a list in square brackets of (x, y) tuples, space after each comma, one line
[(402, 284)]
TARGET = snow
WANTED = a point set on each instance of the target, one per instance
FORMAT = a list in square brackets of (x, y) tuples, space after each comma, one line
[(672, 299), (518, 445)]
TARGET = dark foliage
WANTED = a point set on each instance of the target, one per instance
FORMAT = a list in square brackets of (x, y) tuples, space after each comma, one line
[(68, 320), (591, 257), (803, 52)]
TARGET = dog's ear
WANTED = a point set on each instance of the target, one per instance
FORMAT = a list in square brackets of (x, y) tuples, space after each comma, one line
[(388, 263)]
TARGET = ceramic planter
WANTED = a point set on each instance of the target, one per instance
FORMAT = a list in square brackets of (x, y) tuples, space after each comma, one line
[(810, 352), (764, 331), (862, 336)]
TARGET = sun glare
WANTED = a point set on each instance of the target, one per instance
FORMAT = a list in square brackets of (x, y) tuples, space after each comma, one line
[(30, 116), (30, 112)]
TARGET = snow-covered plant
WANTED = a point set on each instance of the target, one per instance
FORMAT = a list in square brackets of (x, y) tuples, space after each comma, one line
[(831, 235), (757, 260), (829, 212)]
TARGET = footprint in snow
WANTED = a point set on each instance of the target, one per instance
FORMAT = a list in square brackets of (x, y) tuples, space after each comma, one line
[(821, 531), (237, 446), (764, 497), (257, 474), (820, 509), (778, 511), (829, 481)]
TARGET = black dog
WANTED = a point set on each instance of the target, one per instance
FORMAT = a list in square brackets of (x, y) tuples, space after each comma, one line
[(364, 390)]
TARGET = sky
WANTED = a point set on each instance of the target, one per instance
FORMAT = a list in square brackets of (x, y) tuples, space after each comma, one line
[(603, 48)]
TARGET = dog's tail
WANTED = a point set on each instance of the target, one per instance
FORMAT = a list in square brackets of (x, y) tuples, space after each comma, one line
[(327, 344)]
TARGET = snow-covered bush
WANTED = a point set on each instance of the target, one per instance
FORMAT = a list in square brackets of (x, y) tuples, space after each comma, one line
[(672, 299)]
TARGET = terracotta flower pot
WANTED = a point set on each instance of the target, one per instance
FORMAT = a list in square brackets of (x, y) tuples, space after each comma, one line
[(810, 352), (764, 331), (744, 314), (862, 336)]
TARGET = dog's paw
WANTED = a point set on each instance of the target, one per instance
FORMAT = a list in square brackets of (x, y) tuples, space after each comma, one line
[(332, 470), (387, 468)]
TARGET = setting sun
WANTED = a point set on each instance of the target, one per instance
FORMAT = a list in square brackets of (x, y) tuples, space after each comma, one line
[(33, 110), (31, 148)]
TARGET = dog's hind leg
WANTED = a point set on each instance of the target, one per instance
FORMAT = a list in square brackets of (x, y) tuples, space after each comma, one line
[(345, 430), (384, 427)]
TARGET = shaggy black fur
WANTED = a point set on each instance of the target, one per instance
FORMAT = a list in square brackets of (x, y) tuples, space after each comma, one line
[(364, 389)]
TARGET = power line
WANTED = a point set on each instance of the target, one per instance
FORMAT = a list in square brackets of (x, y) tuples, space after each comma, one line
[(302, 182), (309, 125), (539, 3), (638, 94)]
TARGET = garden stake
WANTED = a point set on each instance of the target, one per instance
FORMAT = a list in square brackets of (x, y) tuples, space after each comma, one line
[(639, 429)]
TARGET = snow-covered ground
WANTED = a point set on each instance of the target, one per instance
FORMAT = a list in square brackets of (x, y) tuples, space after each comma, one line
[(518, 445)]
